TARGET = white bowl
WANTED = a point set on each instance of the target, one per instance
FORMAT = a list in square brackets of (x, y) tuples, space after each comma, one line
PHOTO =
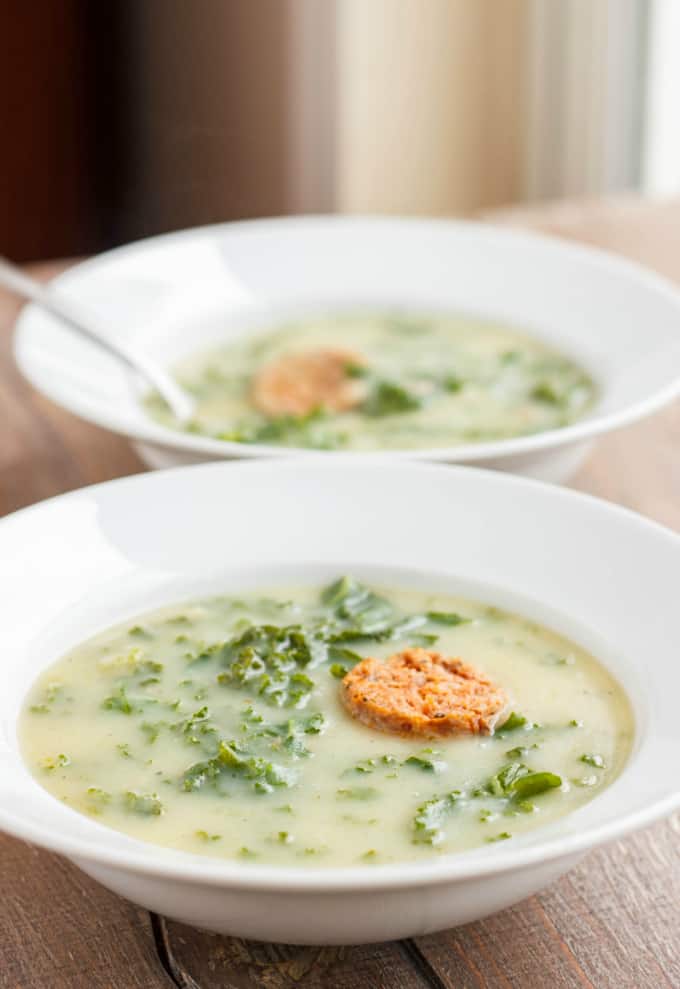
[(176, 294), (602, 575)]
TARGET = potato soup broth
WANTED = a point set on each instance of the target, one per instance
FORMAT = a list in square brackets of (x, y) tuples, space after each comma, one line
[(188, 728), (426, 381)]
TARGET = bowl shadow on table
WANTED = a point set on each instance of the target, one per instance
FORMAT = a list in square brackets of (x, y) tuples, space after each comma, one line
[(215, 960)]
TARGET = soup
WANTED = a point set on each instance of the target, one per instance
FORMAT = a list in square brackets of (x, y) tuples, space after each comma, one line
[(229, 727), (381, 381)]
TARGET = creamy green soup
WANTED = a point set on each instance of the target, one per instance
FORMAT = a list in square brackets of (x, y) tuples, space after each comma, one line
[(216, 727), (426, 381)]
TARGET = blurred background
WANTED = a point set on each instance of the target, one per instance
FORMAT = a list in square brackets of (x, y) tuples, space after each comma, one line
[(120, 120)]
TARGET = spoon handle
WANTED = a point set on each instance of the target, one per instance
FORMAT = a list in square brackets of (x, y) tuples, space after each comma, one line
[(16, 281)]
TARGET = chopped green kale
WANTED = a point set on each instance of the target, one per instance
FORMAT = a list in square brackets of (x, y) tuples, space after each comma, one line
[(98, 797), (344, 655), (545, 392), (452, 384), (152, 729), (351, 600), (447, 618), (387, 398), (512, 723), (118, 701), (315, 430), (269, 659), (359, 613), (234, 761), (205, 836), (53, 693), (430, 817), (198, 729), (515, 780), (426, 760), (50, 763), (533, 784), (146, 804), (140, 632), (288, 735)]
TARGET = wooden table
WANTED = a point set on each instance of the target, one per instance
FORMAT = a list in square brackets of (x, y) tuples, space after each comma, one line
[(614, 921)]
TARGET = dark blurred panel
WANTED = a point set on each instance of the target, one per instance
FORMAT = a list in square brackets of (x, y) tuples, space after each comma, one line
[(208, 106), (46, 202), (108, 78), (120, 120)]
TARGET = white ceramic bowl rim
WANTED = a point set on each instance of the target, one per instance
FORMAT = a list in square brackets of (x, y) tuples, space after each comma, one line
[(500, 859), (144, 429)]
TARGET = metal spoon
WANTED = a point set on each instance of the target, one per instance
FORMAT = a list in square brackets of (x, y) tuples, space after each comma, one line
[(13, 278)]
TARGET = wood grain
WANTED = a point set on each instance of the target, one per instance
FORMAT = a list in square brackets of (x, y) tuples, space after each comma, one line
[(61, 930), (611, 923), (214, 962)]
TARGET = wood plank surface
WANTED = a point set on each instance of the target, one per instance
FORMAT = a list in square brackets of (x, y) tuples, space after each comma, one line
[(61, 930), (214, 962), (611, 923)]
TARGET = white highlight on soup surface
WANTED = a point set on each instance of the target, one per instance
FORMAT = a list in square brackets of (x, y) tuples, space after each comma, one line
[(417, 381), (216, 727)]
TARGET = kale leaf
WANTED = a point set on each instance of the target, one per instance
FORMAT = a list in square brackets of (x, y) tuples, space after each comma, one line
[(430, 818), (234, 761), (269, 659), (387, 398)]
